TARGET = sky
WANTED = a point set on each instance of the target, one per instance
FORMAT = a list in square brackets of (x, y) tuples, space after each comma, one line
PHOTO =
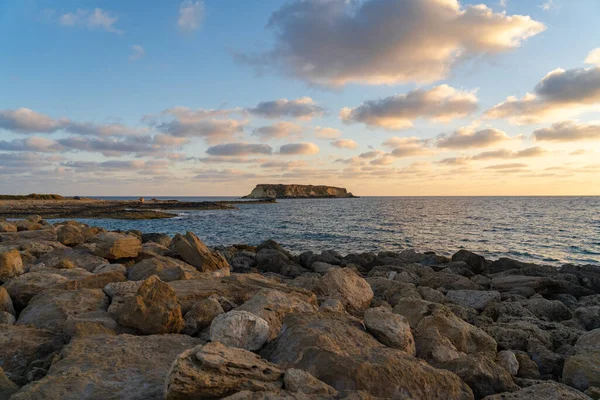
[(383, 97)]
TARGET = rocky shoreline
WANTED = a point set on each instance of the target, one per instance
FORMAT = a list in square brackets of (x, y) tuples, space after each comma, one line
[(91, 314), (55, 208)]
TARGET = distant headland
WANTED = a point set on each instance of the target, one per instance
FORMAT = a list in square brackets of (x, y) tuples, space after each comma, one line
[(281, 191)]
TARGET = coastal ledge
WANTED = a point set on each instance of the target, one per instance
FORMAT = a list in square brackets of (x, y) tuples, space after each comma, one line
[(282, 191)]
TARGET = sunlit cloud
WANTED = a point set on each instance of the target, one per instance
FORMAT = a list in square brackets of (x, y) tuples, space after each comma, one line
[(191, 14), (344, 144), (239, 149), (509, 154), (327, 133), (278, 130), (302, 108), (468, 137), (305, 148), (91, 19), (568, 131)]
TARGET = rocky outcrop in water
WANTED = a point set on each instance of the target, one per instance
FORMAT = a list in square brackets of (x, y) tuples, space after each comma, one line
[(264, 191), (88, 314)]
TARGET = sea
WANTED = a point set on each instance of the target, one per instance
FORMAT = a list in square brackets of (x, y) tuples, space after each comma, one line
[(543, 230)]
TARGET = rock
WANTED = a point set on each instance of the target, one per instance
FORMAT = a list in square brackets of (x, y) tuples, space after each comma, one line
[(91, 323), (6, 227), (272, 260), (159, 238), (81, 257), (476, 299), (51, 308), (110, 367), (273, 305), (582, 370), (332, 305), (166, 268), (11, 265), (7, 318), (119, 292), (97, 281), (240, 329), (215, 371), (22, 345), (7, 387), (416, 309), (528, 369), (430, 294), (104, 268), (392, 291), (337, 351), (391, 329), (322, 268), (113, 246), (448, 281), (65, 264), (593, 392), (153, 309), (27, 225), (347, 286), (529, 285), (477, 263), (508, 360), (194, 252), (298, 381), (482, 374), (6, 303), (69, 235), (542, 391), (201, 315), (551, 310)]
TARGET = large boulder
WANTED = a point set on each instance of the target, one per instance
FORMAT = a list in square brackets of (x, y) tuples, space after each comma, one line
[(7, 387), (582, 370), (113, 246), (201, 315), (6, 303), (542, 391), (347, 286), (11, 264), (527, 286), (391, 329), (80, 257), (273, 305), (110, 367), (477, 263), (240, 329), (23, 345), (551, 310), (7, 227), (194, 252), (153, 309), (69, 235), (214, 371), (166, 268), (51, 308), (476, 299), (338, 351)]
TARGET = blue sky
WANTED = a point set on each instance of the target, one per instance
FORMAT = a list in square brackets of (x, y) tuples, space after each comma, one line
[(81, 66)]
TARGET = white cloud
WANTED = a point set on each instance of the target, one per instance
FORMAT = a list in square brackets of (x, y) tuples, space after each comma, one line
[(24, 120), (568, 131), (383, 160), (305, 148), (191, 14), (344, 144), (91, 19), (327, 133), (336, 42), (302, 108), (548, 5), (441, 103), (465, 138), (510, 154), (593, 57), (137, 52)]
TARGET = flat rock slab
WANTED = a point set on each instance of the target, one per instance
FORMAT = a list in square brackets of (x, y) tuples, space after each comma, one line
[(110, 367)]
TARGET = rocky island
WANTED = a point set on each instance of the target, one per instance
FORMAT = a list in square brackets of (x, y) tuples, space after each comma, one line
[(91, 314), (280, 191)]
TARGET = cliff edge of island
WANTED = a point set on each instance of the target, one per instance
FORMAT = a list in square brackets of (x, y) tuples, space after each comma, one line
[(281, 191)]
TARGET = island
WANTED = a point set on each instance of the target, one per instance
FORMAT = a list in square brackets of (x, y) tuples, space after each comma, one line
[(281, 191)]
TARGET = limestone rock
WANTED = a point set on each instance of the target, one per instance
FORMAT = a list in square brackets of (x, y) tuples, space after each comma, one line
[(337, 351), (21, 345), (113, 246), (273, 305), (7, 318), (582, 370), (109, 367), (391, 329), (153, 309), (332, 305), (347, 286), (6, 227), (69, 235), (11, 264), (240, 329), (81, 257), (119, 292), (296, 380), (215, 371), (528, 369), (201, 315), (508, 360), (93, 281), (194, 252), (6, 303), (542, 391), (120, 268), (476, 262), (552, 310), (51, 308), (166, 268), (158, 238), (7, 387), (476, 299)]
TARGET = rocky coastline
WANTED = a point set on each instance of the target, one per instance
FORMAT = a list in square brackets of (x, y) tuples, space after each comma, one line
[(55, 207), (91, 314), (282, 191)]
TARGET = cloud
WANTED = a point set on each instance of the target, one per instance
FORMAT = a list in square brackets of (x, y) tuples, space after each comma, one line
[(441, 103), (371, 154), (344, 144), (91, 19), (559, 94), (284, 165), (191, 14), (507, 154), (302, 108), (411, 151), (239, 149), (117, 165), (31, 144), (327, 133), (568, 131), (454, 161), (383, 160), (24, 120), (507, 166), (215, 175), (403, 141), (593, 57), (465, 138), (336, 42), (118, 147), (547, 5), (278, 130), (305, 148), (137, 52)]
